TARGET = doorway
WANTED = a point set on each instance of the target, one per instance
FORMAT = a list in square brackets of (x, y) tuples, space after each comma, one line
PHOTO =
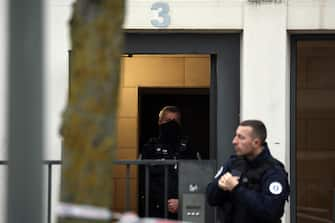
[(194, 106), (223, 86), (224, 53), (148, 83)]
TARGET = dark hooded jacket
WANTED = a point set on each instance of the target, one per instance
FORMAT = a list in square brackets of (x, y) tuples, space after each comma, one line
[(170, 145), (260, 195)]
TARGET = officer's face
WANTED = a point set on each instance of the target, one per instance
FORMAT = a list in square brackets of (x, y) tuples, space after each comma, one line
[(168, 116), (244, 141)]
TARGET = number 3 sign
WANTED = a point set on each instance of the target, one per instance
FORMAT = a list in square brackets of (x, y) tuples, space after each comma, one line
[(163, 19)]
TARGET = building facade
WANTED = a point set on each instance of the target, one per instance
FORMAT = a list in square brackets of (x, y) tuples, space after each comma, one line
[(279, 52)]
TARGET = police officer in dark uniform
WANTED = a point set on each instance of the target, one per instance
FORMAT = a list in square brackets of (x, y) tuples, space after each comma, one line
[(170, 144), (252, 187)]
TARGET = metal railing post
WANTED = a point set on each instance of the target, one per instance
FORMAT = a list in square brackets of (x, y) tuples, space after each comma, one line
[(147, 187), (49, 191), (166, 185), (147, 163), (127, 187)]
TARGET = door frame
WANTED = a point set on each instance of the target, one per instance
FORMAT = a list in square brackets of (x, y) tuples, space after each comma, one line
[(224, 50)]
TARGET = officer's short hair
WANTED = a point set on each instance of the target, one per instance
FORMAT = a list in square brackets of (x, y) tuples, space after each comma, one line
[(170, 108), (258, 127)]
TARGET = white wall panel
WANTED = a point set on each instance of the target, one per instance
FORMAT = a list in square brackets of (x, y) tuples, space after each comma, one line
[(311, 15), (3, 78), (187, 14), (3, 108), (57, 45), (263, 80)]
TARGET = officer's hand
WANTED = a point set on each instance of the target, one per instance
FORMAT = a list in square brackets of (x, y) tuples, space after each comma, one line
[(227, 182), (173, 205)]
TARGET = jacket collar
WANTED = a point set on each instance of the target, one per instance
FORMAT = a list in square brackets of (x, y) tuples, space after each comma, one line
[(264, 155)]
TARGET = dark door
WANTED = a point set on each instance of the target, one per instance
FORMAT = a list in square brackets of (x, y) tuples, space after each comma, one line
[(314, 150)]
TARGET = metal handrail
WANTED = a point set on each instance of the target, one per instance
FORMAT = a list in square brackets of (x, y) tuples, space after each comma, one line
[(146, 163), (49, 163), (128, 163)]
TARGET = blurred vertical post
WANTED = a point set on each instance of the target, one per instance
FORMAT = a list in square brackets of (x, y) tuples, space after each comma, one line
[(89, 119), (25, 111)]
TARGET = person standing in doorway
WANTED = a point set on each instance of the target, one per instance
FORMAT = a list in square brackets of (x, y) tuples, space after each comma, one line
[(252, 186), (173, 145)]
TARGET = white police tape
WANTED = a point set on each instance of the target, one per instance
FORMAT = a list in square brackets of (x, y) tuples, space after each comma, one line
[(90, 212), (66, 210)]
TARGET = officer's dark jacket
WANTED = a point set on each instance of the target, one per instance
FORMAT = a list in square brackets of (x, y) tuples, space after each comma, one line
[(155, 149), (260, 195)]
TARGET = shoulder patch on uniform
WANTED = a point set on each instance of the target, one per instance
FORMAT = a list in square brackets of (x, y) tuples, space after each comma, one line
[(276, 188), (219, 172)]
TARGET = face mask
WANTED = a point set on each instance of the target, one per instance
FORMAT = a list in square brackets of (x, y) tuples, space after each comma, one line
[(169, 132)]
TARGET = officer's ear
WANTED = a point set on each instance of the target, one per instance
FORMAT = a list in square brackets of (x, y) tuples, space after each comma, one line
[(257, 142)]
